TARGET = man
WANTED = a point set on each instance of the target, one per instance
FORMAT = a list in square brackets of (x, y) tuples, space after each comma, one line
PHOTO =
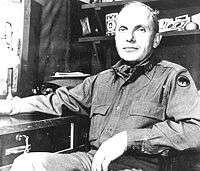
[(140, 106)]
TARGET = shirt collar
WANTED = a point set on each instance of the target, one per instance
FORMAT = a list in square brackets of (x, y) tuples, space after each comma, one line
[(127, 71)]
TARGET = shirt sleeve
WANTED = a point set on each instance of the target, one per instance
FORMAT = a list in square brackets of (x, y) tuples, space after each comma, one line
[(77, 99), (181, 128)]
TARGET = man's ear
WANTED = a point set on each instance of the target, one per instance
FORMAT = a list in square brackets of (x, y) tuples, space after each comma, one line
[(157, 40)]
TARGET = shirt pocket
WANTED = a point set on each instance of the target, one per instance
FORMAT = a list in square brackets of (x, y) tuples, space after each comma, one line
[(148, 110), (99, 110)]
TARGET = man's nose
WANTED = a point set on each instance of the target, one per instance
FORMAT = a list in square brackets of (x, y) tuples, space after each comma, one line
[(131, 37)]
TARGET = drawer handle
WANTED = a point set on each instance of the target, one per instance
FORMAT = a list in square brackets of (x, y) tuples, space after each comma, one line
[(19, 149), (26, 138)]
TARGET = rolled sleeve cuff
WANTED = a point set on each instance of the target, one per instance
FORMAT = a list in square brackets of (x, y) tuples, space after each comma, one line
[(136, 137), (148, 141)]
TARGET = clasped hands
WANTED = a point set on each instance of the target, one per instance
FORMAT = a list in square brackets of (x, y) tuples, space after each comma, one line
[(109, 151)]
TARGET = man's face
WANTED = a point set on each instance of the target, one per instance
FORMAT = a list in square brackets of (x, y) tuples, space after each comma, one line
[(134, 34)]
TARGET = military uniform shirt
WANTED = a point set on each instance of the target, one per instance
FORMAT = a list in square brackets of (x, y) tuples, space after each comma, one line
[(158, 106)]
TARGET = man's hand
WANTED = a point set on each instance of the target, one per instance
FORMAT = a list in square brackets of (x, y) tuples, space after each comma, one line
[(5, 107), (109, 150)]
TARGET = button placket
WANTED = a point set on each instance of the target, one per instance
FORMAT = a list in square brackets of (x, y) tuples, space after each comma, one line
[(114, 118), (113, 121)]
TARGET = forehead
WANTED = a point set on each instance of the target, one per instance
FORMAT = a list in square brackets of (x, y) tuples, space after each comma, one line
[(135, 15)]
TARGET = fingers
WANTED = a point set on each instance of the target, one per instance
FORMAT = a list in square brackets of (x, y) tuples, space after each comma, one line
[(5, 107), (109, 151), (97, 161), (105, 164), (100, 161), (100, 164)]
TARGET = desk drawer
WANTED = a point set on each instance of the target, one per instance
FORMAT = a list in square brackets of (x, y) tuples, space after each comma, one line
[(51, 139)]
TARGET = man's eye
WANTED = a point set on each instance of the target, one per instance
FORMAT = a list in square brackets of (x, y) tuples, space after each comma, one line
[(122, 29), (141, 29)]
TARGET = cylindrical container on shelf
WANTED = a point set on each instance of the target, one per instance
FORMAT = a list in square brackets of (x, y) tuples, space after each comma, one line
[(9, 83)]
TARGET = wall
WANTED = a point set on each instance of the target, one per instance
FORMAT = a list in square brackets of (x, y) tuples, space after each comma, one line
[(184, 50)]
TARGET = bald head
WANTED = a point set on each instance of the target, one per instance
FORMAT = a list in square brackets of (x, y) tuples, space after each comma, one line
[(137, 8)]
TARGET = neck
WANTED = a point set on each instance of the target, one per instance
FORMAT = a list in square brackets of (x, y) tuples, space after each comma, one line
[(134, 63)]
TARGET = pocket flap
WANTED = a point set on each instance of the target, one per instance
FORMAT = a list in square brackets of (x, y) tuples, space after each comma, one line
[(99, 110), (147, 109)]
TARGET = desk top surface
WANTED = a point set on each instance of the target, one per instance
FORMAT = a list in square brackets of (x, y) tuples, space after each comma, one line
[(24, 122)]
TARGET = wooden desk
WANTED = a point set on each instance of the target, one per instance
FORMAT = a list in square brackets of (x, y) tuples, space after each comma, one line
[(40, 132)]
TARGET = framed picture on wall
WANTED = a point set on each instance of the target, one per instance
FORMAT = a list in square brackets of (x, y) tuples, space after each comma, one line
[(11, 37), (19, 40)]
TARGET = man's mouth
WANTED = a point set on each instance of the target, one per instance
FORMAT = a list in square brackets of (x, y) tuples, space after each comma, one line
[(130, 49)]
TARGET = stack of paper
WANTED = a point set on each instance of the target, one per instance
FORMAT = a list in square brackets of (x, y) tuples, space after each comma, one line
[(70, 74)]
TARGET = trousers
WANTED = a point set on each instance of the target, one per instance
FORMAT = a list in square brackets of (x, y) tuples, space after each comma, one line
[(78, 161), (44, 161)]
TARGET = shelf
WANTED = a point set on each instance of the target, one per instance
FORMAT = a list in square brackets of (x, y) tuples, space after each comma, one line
[(180, 33), (156, 3), (94, 39), (165, 34), (115, 3)]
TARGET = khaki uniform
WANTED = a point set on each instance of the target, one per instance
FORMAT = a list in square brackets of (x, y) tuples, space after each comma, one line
[(157, 103)]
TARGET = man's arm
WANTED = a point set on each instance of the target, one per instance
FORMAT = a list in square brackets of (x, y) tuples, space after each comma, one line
[(181, 129), (77, 99)]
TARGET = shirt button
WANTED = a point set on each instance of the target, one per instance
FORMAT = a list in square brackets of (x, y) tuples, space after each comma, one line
[(118, 107)]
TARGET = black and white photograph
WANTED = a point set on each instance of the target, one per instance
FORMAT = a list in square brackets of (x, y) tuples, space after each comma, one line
[(100, 85)]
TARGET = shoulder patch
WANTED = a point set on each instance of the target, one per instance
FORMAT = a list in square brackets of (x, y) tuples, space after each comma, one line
[(183, 81)]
